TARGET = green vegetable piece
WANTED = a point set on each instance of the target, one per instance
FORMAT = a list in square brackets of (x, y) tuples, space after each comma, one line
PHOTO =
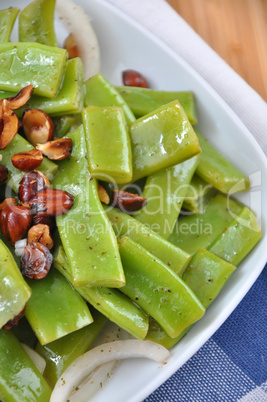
[(63, 125), (20, 380), (100, 92), (143, 100), (107, 125), (19, 144), (62, 352), (206, 275), (219, 171), (123, 224), (7, 19), (14, 291), (85, 231), (157, 289), (198, 195), (162, 139), (195, 231), (238, 239), (55, 309), (24, 63), (110, 302), (36, 23), (165, 192), (70, 97), (24, 333)]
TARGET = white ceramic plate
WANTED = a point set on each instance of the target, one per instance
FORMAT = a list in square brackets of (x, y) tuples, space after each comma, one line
[(125, 44)]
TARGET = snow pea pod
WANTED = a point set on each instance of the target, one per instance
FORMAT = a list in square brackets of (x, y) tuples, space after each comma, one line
[(165, 192), (157, 289), (162, 139), (14, 291), (62, 352), (195, 231), (24, 333), (25, 63), (110, 302), (70, 97), (144, 100), (206, 275), (238, 238), (55, 309), (198, 195), (7, 19), (100, 92), (63, 125), (36, 23), (215, 169), (172, 256), (20, 380), (85, 231), (112, 163), (19, 144)]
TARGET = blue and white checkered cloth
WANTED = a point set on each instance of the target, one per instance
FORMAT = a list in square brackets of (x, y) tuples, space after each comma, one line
[(232, 365)]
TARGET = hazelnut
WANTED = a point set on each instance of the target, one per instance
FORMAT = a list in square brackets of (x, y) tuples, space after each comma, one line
[(27, 160), (51, 202), (14, 322), (15, 222), (31, 183), (38, 126), (103, 195), (45, 220), (21, 98), (9, 124), (57, 149), (36, 261), (3, 173), (71, 46), (133, 78), (127, 202), (41, 234), (8, 202)]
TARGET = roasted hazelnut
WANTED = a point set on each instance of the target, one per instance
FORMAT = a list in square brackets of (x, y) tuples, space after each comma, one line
[(103, 195), (51, 202), (57, 149), (31, 183), (14, 322), (15, 222), (71, 46), (3, 173), (8, 202), (133, 78), (21, 98), (40, 234), (27, 160), (45, 220), (127, 202), (9, 124), (38, 126), (36, 261)]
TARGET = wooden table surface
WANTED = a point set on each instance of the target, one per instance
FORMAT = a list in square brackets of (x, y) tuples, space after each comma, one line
[(236, 30)]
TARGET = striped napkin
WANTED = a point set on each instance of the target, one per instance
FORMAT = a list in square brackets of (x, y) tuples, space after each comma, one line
[(232, 365)]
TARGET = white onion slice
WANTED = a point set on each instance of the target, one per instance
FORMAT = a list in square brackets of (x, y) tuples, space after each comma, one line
[(20, 246), (103, 373), (77, 23), (38, 360), (102, 354), (94, 382)]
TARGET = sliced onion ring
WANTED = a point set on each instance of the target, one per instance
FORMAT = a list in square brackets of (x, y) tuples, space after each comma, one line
[(85, 364), (78, 24), (37, 359)]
